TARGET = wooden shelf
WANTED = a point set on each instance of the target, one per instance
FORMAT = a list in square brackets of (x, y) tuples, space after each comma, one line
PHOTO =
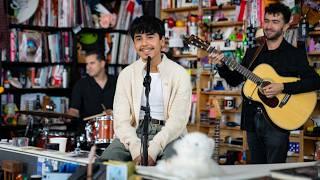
[(226, 23), (214, 8), (40, 28), (207, 125), (224, 111), (314, 53), (230, 110), (314, 33), (181, 9), (223, 93), (36, 90), (204, 73), (113, 65), (103, 30), (55, 29), (230, 128), (293, 155), (186, 56), (33, 64), (311, 138), (231, 146)]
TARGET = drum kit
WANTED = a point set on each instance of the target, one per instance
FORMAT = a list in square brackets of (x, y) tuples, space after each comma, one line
[(98, 129)]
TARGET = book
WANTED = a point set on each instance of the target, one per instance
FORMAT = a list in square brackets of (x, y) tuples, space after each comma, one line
[(30, 46), (297, 173)]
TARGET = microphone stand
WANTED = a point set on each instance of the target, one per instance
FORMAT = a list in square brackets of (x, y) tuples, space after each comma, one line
[(147, 116)]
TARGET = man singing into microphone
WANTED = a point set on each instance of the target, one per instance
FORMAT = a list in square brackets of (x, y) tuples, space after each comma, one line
[(169, 98)]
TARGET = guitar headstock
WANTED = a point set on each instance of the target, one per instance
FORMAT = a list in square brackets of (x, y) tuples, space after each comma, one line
[(196, 41)]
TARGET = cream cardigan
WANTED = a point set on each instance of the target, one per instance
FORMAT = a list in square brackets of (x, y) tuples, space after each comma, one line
[(177, 94)]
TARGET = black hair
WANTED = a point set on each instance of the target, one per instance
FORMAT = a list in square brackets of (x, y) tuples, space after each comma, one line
[(147, 24), (276, 8), (99, 53)]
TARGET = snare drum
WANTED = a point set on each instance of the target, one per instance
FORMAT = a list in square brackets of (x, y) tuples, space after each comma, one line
[(100, 129)]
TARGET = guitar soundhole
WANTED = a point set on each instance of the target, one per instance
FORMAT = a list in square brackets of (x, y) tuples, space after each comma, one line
[(271, 102)]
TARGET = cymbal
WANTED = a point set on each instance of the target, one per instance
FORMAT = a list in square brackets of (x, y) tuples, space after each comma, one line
[(48, 114)]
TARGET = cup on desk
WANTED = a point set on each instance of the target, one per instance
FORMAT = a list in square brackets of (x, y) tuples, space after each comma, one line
[(62, 141), (20, 141)]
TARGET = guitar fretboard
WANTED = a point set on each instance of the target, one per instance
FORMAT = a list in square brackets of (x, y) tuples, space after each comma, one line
[(232, 64)]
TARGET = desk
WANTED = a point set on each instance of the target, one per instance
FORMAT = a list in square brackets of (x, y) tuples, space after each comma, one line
[(232, 172), (29, 155)]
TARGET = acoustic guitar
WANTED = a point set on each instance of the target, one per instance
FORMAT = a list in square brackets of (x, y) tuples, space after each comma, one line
[(287, 111)]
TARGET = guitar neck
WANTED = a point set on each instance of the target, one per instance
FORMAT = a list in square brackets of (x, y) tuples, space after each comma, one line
[(233, 65)]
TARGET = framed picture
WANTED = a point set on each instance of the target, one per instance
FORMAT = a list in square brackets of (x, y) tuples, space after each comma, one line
[(188, 3)]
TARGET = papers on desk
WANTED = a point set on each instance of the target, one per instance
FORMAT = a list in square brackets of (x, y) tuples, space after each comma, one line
[(233, 172), (299, 173)]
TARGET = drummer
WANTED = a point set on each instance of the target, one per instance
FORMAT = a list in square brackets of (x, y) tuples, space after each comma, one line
[(93, 94)]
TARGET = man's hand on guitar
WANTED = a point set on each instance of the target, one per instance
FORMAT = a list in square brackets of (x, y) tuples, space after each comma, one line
[(216, 58), (273, 89), (108, 112)]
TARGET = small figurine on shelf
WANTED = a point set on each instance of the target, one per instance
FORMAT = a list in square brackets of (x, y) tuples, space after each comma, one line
[(218, 35), (107, 19), (38, 103), (239, 34), (317, 46), (233, 35), (312, 45), (219, 16)]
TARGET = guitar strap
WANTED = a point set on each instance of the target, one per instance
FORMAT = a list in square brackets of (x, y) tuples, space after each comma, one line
[(256, 54)]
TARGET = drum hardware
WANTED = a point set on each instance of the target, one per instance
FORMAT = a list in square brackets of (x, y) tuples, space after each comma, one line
[(46, 119), (48, 114), (30, 123)]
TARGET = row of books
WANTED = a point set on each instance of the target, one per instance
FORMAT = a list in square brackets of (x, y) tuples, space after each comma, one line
[(28, 101), (57, 13), (73, 13), (38, 47), (181, 3), (43, 77), (126, 53)]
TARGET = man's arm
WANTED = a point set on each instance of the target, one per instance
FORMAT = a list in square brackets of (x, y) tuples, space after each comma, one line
[(123, 115), (233, 78), (75, 105), (310, 80), (73, 112)]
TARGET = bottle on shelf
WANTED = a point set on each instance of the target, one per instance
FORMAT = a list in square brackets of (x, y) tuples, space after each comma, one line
[(38, 103), (64, 78)]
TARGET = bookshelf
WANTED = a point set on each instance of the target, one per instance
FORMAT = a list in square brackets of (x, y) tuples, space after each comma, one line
[(203, 79), (202, 76), (69, 21)]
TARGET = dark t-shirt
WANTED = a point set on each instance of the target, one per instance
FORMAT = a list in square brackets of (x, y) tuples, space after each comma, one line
[(87, 96)]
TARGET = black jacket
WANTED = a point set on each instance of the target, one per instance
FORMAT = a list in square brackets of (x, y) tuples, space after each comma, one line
[(286, 61)]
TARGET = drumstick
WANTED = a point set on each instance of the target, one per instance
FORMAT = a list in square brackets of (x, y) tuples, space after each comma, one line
[(103, 107), (94, 116)]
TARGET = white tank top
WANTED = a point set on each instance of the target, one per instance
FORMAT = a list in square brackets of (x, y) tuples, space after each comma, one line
[(155, 98)]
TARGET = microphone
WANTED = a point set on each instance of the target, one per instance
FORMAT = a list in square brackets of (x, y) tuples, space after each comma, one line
[(147, 79)]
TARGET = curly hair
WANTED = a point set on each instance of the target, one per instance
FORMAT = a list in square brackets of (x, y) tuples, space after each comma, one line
[(279, 8)]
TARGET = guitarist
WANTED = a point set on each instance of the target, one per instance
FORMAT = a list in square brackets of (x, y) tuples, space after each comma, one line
[(267, 142)]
